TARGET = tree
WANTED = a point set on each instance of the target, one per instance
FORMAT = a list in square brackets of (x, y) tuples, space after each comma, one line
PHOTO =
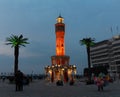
[(16, 42), (88, 42)]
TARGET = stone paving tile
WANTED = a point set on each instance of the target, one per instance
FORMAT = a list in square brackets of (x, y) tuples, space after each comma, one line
[(43, 89)]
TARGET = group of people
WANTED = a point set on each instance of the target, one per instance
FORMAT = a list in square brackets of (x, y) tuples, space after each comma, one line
[(101, 81)]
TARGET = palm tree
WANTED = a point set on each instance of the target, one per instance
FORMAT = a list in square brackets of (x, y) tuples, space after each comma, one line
[(16, 41), (88, 42)]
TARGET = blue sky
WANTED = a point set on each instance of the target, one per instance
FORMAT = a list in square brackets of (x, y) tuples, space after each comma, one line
[(35, 19)]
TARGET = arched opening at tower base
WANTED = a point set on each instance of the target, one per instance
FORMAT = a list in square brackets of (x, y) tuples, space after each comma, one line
[(60, 72)]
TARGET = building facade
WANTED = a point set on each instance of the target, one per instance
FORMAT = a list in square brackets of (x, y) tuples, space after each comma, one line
[(107, 53), (60, 68)]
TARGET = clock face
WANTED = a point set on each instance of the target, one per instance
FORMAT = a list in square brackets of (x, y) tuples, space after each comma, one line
[(60, 28)]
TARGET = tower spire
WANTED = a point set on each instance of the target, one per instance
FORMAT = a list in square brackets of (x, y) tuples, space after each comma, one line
[(59, 14), (60, 19)]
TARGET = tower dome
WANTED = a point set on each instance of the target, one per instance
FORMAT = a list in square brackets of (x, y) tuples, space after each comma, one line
[(60, 19)]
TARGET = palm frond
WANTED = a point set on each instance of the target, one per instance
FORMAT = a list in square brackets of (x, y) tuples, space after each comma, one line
[(15, 40), (87, 41)]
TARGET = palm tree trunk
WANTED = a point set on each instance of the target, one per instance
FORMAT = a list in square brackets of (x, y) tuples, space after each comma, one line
[(89, 64), (16, 54)]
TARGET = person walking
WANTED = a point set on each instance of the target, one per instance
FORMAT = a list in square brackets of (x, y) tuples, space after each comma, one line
[(100, 83), (19, 81)]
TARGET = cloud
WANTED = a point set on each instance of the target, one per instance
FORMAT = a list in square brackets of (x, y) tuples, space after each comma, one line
[(5, 50), (23, 52)]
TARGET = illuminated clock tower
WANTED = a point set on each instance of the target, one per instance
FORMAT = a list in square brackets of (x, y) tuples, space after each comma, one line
[(60, 32), (60, 57), (60, 68)]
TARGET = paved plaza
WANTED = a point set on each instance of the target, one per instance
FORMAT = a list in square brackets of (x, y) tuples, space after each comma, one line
[(41, 88)]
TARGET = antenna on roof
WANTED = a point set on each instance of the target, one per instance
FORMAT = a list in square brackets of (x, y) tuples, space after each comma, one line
[(111, 30), (117, 29)]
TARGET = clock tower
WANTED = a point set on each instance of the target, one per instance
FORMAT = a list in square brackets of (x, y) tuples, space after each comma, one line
[(60, 68), (60, 57), (60, 32)]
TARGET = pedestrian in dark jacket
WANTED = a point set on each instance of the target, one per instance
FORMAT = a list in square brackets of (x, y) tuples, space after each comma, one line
[(19, 81)]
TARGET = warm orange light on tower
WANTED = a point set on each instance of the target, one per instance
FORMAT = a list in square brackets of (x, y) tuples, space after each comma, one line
[(60, 68), (60, 32)]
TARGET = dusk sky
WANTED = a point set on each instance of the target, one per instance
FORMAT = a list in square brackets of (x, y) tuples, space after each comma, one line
[(35, 19)]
